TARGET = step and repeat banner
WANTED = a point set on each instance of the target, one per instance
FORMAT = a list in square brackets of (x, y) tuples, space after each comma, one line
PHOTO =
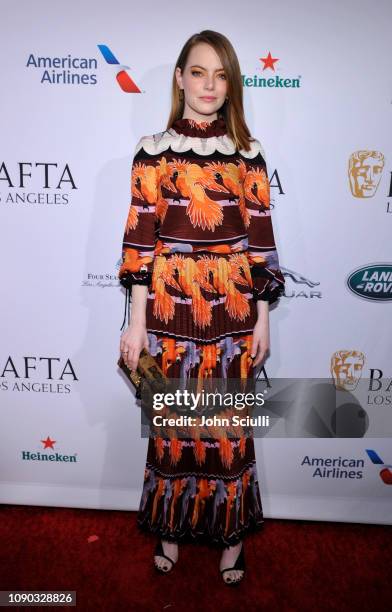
[(80, 85)]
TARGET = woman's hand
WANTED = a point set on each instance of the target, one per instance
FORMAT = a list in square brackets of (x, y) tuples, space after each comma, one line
[(135, 336), (133, 340), (261, 338)]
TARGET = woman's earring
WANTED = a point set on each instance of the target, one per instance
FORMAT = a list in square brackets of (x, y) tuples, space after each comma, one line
[(181, 93)]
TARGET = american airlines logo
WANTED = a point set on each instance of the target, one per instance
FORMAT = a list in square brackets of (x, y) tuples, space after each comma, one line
[(123, 79), (385, 471)]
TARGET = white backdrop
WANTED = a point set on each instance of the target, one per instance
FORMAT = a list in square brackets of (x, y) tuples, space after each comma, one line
[(62, 226)]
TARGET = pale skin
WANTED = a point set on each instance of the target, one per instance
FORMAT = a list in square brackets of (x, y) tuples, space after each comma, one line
[(203, 75)]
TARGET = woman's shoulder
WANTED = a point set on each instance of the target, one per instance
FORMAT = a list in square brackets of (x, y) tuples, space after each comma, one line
[(256, 148), (153, 144)]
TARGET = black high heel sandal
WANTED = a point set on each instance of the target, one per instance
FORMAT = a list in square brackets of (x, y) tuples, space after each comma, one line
[(238, 565), (159, 553)]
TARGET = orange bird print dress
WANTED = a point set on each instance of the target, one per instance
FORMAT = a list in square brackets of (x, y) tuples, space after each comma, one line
[(199, 235)]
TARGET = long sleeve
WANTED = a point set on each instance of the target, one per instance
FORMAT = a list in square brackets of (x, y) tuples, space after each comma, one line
[(268, 280), (142, 224)]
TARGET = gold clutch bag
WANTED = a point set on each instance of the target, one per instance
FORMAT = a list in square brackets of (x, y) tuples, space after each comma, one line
[(148, 376)]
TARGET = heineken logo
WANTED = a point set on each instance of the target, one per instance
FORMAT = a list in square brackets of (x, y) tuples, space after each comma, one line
[(266, 75), (372, 282), (50, 456)]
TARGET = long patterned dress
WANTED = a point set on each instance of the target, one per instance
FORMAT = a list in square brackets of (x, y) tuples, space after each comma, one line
[(199, 234)]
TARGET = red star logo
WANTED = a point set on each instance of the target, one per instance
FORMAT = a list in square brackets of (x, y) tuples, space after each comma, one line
[(48, 443), (269, 61)]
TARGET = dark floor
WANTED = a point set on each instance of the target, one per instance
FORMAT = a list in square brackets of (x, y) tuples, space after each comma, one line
[(291, 565)]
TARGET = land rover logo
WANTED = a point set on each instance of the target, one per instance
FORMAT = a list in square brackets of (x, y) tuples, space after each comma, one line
[(372, 282)]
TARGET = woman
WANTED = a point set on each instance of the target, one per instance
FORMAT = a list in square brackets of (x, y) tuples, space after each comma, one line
[(199, 258)]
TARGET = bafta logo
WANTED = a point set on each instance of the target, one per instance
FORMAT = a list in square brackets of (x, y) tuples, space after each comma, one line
[(346, 369), (364, 171)]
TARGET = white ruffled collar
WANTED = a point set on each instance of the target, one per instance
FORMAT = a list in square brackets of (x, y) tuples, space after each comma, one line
[(180, 143)]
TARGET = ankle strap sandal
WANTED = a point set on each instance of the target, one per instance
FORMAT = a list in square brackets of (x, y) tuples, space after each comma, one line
[(239, 565)]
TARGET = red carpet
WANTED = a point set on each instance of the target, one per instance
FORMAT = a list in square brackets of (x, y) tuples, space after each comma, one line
[(292, 565)]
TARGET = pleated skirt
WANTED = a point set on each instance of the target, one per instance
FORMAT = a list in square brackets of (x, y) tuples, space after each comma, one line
[(200, 319)]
